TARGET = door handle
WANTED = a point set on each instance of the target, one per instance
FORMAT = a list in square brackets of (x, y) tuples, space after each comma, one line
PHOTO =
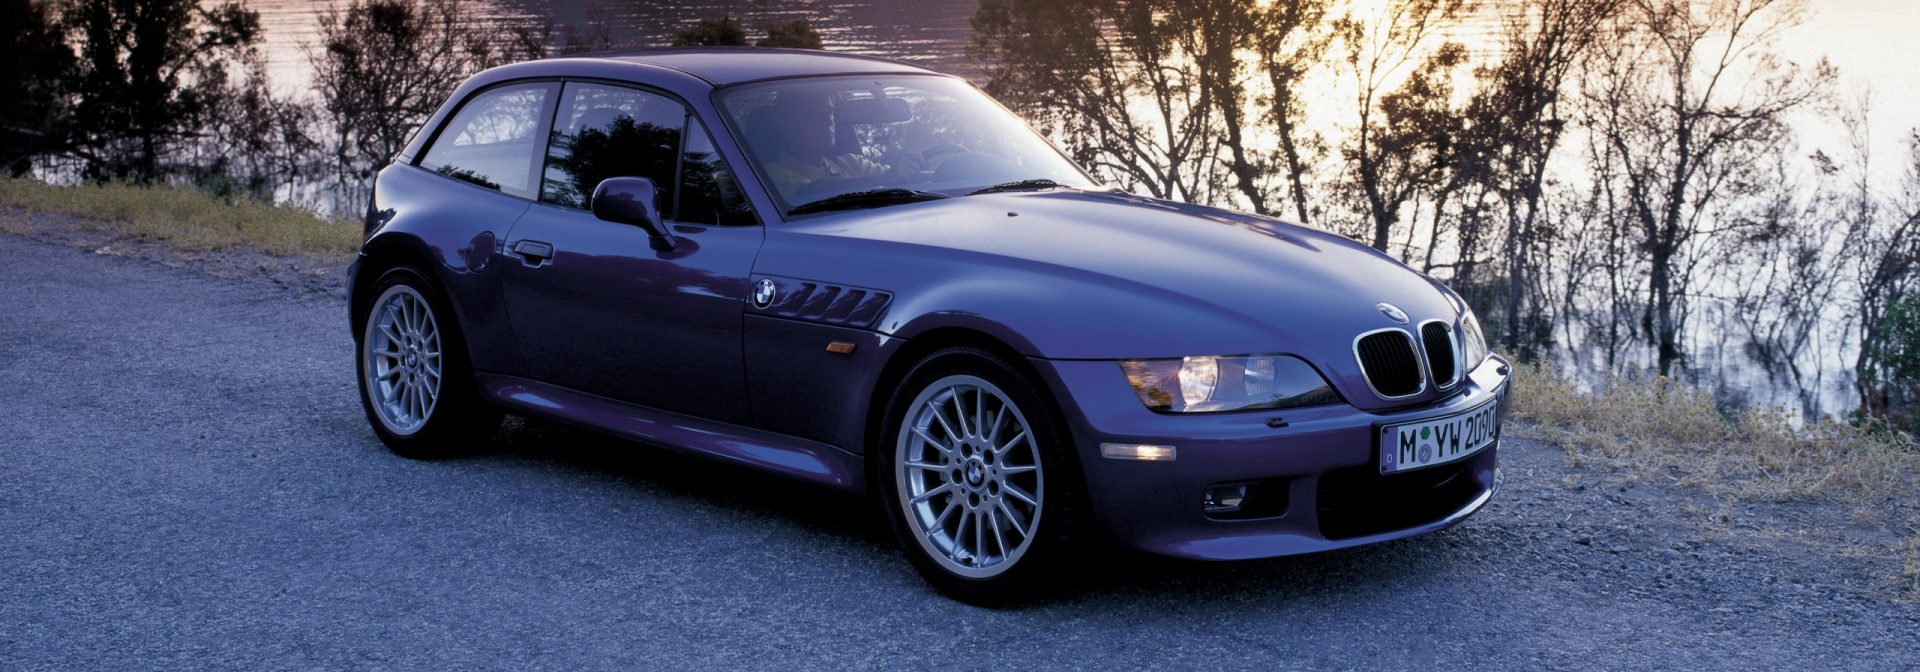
[(534, 253)]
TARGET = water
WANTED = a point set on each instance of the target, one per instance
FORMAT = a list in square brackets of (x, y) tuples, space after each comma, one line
[(1866, 39), (934, 33)]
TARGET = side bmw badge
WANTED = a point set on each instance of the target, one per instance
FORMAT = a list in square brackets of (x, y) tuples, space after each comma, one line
[(763, 293)]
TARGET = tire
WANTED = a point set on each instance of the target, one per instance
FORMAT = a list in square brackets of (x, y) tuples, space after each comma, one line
[(420, 410), (959, 487)]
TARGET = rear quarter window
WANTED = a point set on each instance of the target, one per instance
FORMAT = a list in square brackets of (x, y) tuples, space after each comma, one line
[(491, 141)]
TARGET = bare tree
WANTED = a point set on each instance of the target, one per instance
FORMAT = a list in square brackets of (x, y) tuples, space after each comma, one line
[(1786, 265), (1290, 43), (1886, 371), (382, 67), (1396, 148), (257, 142), (1113, 80), (1219, 32), (1515, 125), (1239, 46), (1686, 96)]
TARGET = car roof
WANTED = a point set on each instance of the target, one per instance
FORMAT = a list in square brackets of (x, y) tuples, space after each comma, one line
[(722, 66)]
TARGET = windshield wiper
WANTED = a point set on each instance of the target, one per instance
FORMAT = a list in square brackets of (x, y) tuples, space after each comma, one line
[(1021, 185), (876, 198)]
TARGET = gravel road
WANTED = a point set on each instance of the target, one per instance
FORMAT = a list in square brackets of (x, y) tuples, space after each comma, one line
[(186, 481)]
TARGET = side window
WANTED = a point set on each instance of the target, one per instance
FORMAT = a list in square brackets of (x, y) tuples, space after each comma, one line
[(491, 141), (609, 131), (709, 194)]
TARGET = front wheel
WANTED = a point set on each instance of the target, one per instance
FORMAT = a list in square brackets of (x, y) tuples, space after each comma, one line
[(979, 479)]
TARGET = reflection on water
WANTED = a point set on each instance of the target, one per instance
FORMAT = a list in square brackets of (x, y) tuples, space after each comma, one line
[(930, 32), (1864, 38)]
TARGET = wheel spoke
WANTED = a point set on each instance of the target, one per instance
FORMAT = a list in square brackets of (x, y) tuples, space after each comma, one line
[(944, 425), (1016, 439), (413, 316), (925, 466), (930, 494), (999, 420), (960, 413), (979, 540), (993, 521), (942, 518), (1013, 519), (1017, 470), (980, 412), (957, 531), (945, 450), (1020, 494)]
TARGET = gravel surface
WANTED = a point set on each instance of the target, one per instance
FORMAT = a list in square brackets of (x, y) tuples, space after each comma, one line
[(189, 483)]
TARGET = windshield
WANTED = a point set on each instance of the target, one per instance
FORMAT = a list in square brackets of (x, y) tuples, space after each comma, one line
[(922, 136)]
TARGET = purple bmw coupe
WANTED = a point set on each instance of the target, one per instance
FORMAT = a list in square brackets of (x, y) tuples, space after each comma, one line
[(870, 276)]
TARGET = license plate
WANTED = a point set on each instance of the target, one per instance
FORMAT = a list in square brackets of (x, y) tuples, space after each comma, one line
[(1429, 442)]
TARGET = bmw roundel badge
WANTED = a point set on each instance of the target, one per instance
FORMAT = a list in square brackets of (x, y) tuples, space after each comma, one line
[(1393, 312), (763, 293)]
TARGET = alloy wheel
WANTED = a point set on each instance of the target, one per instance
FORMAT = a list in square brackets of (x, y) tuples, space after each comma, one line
[(968, 474), (402, 360)]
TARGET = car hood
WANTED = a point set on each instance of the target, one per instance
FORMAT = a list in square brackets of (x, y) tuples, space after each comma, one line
[(1069, 275), (1284, 277)]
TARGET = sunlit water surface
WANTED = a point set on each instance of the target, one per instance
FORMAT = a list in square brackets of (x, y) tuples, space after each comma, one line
[(1868, 40)]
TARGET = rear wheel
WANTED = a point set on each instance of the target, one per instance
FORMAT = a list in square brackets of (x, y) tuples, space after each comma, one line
[(415, 384), (979, 479)]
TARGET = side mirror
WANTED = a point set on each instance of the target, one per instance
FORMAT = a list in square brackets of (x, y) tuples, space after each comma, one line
[(632, 200)]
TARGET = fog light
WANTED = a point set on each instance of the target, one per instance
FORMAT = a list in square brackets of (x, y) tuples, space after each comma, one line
[(1224, 498), (1144, 453)]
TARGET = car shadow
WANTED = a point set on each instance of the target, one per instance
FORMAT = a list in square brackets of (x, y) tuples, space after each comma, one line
[(829, 516), (678, 474)]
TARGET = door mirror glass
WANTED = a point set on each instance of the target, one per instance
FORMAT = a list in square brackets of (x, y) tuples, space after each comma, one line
[(634, 201)]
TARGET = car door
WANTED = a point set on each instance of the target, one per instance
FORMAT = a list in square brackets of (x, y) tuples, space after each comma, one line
[(594, 306)]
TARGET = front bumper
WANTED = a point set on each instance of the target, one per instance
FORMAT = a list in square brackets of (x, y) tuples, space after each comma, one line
[(1321, 460)]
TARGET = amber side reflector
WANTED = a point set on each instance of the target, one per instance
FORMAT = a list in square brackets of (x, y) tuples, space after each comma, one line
[(840, 347)]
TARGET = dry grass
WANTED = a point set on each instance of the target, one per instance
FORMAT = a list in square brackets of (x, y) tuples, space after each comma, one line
[(186, 220), (1666, 431)]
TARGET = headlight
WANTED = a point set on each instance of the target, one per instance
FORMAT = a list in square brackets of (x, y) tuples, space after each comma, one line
[(1473, 343), (1205, 384)]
